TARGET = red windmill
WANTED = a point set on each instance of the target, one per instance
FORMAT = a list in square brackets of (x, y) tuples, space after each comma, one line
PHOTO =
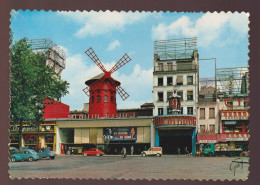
[(102, 88)]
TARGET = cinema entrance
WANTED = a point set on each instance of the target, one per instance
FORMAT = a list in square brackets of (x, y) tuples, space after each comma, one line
[(175, 141), (176, 133)]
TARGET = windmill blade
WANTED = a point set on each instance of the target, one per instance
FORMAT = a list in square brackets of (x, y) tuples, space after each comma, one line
[(86, 91), (93, 86), (92, 55), (124, 95), (125, 59)]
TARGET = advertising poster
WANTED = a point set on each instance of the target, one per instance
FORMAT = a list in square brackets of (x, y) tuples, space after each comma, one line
[(120, 134)]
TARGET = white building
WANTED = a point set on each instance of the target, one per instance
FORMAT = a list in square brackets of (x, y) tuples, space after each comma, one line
[(175, 67)]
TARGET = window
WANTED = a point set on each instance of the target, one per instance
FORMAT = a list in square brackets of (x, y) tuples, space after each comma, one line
[(180, 93), (160, 66), (211, 112), (168, 111), (169, 66), (105, 98), (179, 80), (160, 111), (168, 95), (189, 80), (189, 95), (190, 110), (112, 99), (169, 80), (182, 110), (202, 113), (93, 99), (202, 128), (160, 96), (212, 128), (98, 98), (160, 81)]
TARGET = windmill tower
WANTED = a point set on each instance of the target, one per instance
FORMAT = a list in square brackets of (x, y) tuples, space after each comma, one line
[(102, 88)]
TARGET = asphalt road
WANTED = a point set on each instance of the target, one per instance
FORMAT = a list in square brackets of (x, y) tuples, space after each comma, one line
[(134, 167)]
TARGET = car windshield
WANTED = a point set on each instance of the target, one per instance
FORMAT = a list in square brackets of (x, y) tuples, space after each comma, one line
[(33, 152)]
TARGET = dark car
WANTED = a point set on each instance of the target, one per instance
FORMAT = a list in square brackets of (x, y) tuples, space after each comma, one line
[(46, 153), (93, 151), (25, 155)]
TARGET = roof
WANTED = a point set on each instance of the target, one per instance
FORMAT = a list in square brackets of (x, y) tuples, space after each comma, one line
[(97, 77)]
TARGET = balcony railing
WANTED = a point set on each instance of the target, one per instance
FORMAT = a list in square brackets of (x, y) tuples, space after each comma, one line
[(175, 67)]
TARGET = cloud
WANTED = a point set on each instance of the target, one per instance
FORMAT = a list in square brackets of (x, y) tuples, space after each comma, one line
[(137, 84), (97, 23), (208, 28), (113, 45)]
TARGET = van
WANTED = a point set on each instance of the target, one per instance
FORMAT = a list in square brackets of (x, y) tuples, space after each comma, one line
[(152, 151)]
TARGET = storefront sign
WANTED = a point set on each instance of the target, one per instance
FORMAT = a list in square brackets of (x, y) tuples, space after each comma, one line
[(120, 134), (238, 100), (234, 115), (207, 141), (230, 122)]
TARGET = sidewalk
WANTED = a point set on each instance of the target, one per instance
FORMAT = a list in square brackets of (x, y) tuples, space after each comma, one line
[(106, 155)]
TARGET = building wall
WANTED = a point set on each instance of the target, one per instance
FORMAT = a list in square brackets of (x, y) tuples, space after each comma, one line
[(169, 88), (207, 121)]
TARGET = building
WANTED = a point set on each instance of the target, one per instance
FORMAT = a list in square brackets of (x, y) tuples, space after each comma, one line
[(225, 119), (55, 57), (176, 63), (47, 129)]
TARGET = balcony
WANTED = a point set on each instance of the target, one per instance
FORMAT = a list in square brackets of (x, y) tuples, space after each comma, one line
[(175, 68)]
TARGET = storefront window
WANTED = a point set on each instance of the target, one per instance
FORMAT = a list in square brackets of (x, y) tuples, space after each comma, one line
[(49, 138), (232, 126)]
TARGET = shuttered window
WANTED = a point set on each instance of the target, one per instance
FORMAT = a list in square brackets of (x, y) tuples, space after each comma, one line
[(179, 80), (202, 113), (211, 112), (189, 95)]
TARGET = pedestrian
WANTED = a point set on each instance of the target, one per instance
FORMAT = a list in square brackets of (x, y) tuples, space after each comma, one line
[(186, 151), (123, 152), (132, 150), (179, 150)]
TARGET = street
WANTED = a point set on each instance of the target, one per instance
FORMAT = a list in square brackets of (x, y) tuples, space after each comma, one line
[(132, 167)]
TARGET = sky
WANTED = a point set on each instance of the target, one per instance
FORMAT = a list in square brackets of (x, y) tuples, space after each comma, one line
[(223, 36)]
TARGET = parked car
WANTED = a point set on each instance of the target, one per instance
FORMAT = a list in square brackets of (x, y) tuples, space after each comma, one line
[(13, 150), (25, 155), (152, 151), (46, 153), (93, 151)]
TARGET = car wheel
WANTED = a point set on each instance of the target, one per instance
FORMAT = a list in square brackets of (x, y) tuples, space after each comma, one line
[(98, 154), (85, 154), (53, 157), (30, 159), (13, 159), (143, 155), (158, 155)]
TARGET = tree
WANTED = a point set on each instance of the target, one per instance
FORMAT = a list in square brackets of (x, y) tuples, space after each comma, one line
[(32, 82)]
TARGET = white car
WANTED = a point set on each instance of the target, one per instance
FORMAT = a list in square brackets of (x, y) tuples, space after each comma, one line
[(152, 151)]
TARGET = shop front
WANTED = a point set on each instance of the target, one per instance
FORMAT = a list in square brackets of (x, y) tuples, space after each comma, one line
[(176, 134), (234, 128), (47, 134), (109, 135)]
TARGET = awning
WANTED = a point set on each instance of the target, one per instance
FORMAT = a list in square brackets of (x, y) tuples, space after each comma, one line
[(207, 138), (233, 137), (234, 115)]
